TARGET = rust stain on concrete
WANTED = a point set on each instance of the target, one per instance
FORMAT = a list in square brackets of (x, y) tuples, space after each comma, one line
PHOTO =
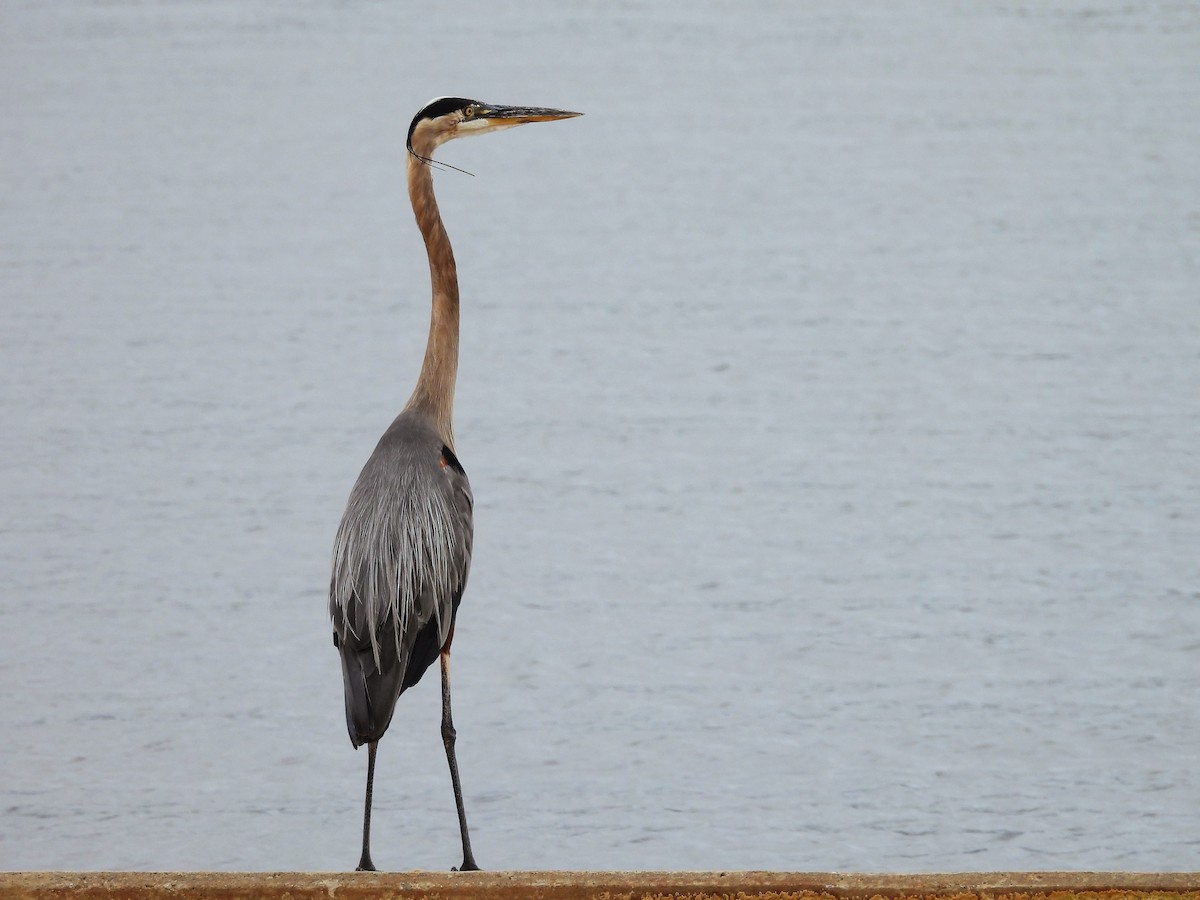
[(596, 886)]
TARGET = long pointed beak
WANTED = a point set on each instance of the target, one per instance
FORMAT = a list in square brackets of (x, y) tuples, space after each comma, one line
[(520, 115)]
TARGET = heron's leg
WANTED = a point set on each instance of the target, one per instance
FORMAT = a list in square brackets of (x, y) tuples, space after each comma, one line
[(365, 864), (468, 863)]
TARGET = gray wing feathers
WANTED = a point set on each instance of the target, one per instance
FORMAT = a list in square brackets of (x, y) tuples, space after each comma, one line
[(403, 549)]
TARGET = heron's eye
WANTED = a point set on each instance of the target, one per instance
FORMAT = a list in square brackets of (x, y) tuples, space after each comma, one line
[(469, 112)]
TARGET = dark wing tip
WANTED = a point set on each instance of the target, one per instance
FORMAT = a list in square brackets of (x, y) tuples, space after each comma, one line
[(449, 459)]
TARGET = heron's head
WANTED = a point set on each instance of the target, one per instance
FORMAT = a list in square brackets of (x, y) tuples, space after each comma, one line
[(447, 118)]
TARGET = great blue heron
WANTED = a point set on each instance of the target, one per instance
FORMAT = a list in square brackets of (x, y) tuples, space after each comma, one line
[(403, 547)]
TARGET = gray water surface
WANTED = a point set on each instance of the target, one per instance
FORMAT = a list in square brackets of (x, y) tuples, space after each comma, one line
[(830, 394)]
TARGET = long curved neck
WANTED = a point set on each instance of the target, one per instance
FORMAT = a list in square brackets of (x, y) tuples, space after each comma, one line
[(434, 393)]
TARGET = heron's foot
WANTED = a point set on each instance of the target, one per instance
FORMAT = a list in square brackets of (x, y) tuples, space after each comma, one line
[(365, 864), (468, 865)]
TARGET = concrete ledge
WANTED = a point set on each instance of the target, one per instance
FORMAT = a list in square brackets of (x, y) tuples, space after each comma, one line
[(598, 885)]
